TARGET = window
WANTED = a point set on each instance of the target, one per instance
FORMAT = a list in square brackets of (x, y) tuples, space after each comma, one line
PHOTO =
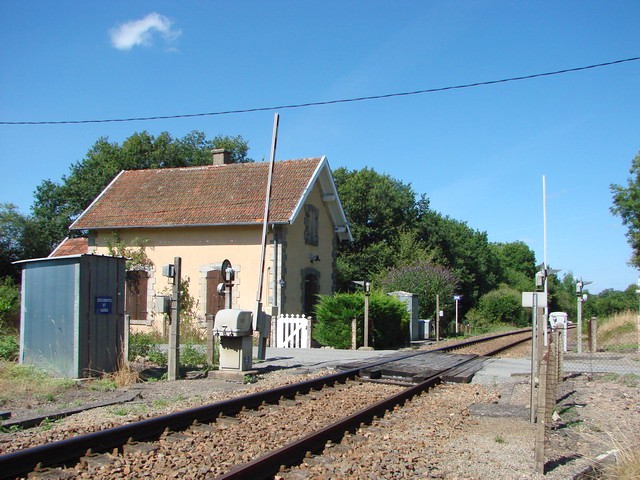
[(310, 225), (136, 295)]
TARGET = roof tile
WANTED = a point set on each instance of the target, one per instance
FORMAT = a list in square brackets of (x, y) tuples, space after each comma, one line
[(207, 195)]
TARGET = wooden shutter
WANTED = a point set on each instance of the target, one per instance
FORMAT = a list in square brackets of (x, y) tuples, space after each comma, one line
[(215, 301), (136, 294)]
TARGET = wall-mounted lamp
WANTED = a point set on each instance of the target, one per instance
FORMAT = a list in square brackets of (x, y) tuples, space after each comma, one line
[(314, 258)]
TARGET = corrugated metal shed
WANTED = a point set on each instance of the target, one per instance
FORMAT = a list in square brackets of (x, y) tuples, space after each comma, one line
[(72, 318)]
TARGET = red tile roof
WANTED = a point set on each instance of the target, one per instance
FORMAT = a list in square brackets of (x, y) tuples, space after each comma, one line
[(209, 195), (71, 246)]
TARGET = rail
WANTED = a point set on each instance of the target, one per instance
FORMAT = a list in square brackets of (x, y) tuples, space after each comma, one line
[(70, 450)]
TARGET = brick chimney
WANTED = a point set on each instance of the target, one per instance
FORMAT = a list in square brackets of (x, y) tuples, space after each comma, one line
[(221, 156)]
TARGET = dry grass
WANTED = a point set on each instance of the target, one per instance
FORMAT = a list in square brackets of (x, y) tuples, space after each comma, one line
[(627, 466), (125, 375), (619, 330)]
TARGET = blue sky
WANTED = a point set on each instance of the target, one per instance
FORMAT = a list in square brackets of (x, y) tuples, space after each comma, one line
[(479, 154)]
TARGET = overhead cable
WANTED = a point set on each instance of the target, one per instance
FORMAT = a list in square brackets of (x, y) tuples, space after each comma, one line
[(327, 102)]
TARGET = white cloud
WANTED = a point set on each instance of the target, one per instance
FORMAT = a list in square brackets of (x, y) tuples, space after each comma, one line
[(141, 32)]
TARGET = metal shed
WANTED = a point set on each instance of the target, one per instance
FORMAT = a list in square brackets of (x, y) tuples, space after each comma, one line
[(72, 316), (413, 307)]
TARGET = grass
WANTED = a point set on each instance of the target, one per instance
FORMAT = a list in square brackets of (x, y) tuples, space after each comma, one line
[(628, 379), (619, 332), (23, 382), (627, 466)]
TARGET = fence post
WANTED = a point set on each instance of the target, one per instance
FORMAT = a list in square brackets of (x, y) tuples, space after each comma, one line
[(541, 420), (309, 331), (210, 319), (593, 335), (125, 347), (354, 336)]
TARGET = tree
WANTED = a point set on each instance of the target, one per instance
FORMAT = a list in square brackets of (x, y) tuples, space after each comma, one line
[(382, 213), (626, 204), (19, 239), (57, 205), (465, 251), (517, 264)]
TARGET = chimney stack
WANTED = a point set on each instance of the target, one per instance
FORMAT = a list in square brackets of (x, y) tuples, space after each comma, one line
[(221, 156)]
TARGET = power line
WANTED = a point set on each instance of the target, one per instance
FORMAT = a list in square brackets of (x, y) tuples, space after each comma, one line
[(328, 102)]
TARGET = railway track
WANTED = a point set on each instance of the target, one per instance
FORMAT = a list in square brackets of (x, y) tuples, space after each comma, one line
[(252, 436)]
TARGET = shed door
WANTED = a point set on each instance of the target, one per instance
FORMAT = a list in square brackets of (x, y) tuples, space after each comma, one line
[(136, 296), (215, 301)]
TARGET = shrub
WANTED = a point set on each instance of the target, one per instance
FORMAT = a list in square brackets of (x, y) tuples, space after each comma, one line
[(9, 304), (9, 347), (388, 316), (191, 356), (140, 344), (425, 280), (503, 305)]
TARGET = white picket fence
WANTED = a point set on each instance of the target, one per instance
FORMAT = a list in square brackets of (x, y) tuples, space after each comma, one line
[(291, 331)]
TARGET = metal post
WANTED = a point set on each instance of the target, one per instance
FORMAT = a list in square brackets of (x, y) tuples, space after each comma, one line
[(638, 319), (579, 327), (437, 318), (534, 352), (259, 314), (173, 368), (457, 299), (367, 292)]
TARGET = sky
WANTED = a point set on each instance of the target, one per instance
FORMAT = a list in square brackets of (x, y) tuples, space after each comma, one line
[(478, 154)]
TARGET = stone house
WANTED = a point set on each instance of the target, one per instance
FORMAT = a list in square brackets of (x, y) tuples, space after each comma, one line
[(210, 214)]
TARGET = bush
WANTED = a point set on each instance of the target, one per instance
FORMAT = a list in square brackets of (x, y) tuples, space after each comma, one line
[(423, 278), (504, 306), (191, 356), (9, 304), (9, 348), (388, 316)]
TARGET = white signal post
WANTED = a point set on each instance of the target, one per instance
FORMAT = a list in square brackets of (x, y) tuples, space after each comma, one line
[(457, 299)]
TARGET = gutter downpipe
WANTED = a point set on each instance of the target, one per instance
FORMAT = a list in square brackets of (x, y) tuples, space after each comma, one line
[(259, 316)]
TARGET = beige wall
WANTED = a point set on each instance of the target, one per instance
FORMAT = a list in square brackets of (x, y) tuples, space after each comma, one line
[(202, 247), (298, 254), (199, 249)]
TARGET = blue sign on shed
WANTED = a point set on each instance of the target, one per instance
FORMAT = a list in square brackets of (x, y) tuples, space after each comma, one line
[(103, 305), (72, 318)]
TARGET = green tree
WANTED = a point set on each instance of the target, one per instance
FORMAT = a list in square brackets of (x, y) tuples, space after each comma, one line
[(19, 240), (466, 252), (56, 205), (626, 204), (382, 213), (517, 264), (9, 305), (609, 302)]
